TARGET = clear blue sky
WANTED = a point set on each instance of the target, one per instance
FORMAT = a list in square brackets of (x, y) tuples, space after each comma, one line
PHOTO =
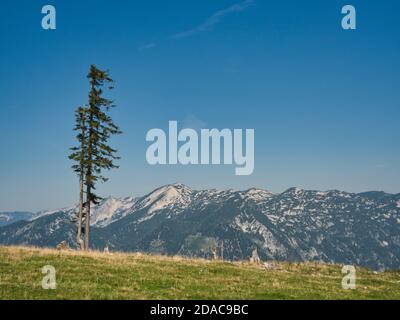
[(324, 102)]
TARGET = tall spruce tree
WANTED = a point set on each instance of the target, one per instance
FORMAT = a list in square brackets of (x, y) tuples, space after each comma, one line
[(79, 156), (100, 156), (95, 127)]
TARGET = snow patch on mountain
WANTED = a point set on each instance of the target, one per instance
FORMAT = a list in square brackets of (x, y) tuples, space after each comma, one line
[(44, 213), (111, 209), (4, 217)]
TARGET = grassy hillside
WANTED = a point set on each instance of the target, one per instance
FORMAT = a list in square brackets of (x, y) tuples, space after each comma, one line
[(136, 276)]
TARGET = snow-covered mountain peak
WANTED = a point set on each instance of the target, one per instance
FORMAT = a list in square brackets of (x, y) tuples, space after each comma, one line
[(178, 186), (110, 210), (294, 191), (166, 197), (256, 194)]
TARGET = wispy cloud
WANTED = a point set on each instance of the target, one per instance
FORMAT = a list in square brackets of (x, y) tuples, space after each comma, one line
[(147, 46), (213, 20)]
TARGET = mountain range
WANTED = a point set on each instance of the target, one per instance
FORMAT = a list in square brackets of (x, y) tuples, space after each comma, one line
[(296, 225)]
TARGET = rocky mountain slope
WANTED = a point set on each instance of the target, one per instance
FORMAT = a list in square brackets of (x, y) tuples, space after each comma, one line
[(296, 225)]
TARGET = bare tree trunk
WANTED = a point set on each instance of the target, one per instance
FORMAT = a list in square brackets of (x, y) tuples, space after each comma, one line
[(82, 174), (87, 220), (79, 239)]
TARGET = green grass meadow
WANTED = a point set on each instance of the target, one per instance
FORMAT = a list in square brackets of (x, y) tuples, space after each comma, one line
[(96, 275)]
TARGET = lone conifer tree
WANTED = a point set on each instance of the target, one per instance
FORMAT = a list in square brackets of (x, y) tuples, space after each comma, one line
[(94, 155), (101, 127)]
